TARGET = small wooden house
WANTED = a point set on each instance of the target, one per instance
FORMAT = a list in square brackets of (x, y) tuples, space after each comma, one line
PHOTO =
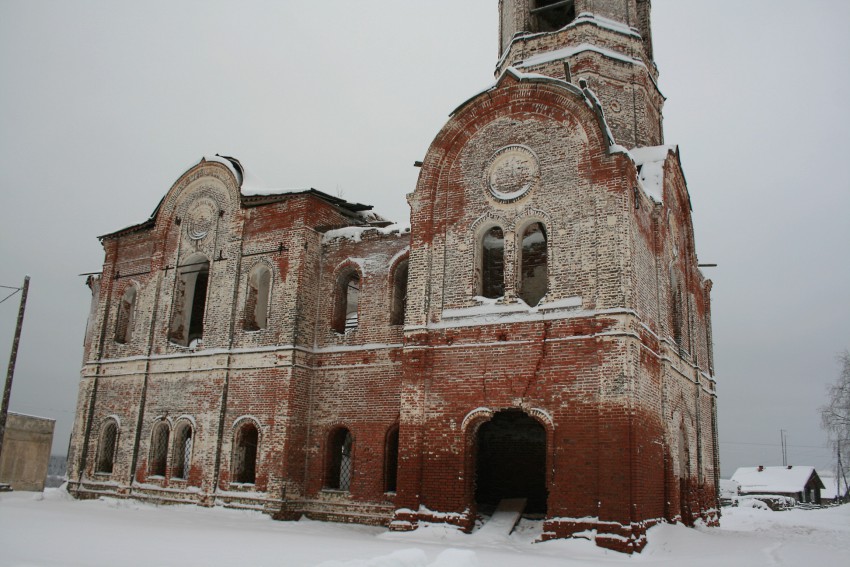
[(799, 482)]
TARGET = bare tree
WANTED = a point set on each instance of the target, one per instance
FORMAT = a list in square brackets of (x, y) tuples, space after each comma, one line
[(835, 417)]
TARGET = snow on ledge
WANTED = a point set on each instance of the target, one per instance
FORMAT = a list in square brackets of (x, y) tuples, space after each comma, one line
[(565, 52), (603, 22), (582, 18), (490, 311), (355, 233)]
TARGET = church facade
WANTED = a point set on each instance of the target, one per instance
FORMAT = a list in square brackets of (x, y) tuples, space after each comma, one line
[(540, 331)]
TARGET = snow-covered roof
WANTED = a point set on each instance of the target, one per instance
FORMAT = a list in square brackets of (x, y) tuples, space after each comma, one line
[(650, 160), (830, 490), (250, 185), (780, 480), (728, 488)]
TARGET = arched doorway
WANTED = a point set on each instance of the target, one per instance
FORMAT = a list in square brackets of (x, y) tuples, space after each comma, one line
[(511, 461)]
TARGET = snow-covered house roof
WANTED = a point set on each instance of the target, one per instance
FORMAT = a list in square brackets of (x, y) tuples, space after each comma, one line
[(775, 480), (830, 490), (728, 488)]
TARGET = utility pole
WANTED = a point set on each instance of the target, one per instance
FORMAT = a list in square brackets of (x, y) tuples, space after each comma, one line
[(7, 392), (784, 447)]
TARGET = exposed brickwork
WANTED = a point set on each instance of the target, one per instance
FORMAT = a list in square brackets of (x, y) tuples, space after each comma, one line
[(603, 390)]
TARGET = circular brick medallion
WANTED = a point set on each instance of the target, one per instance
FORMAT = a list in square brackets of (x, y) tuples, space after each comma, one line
[(512, 172)]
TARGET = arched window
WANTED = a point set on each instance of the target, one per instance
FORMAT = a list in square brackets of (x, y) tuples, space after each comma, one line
[(190, 300), (533, 273), (159, 449), (340, 466), (126, 311), (399, 298), (107, 447), (552, 15), (182, 456), (492, 274), (391, 460), (244, 458), (257, 298), (346, 299)]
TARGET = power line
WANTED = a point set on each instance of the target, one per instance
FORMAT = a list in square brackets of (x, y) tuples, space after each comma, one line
[(10, 295), (773, 445)]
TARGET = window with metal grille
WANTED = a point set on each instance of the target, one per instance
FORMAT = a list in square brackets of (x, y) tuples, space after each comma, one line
[(107, 447), (159, 449), (341, 466), (245, 454), (182, 457)]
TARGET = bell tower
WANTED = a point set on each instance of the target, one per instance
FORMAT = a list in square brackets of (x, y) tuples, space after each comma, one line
[(608, 43)]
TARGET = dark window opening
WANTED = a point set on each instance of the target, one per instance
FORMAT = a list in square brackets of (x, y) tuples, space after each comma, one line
[(493, 263), (108, 448), (257, 299), (552, 15), (346, 300), (511, 462), (340, 466), (199, 302), (182, 452), (391, 461), (159, 449), (190, 300), (534, 278), (399, 299), (124, 322), (245, 454)]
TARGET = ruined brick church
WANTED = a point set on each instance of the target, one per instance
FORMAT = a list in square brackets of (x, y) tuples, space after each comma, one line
[(541, 331)]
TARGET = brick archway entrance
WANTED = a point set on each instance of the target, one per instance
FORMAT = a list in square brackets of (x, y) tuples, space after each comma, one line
[(510, 461)]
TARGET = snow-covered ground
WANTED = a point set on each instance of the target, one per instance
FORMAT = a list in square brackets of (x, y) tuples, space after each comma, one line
[(54, 530)]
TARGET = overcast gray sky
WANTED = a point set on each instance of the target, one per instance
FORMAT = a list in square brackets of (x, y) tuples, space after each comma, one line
[(104, 104)]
